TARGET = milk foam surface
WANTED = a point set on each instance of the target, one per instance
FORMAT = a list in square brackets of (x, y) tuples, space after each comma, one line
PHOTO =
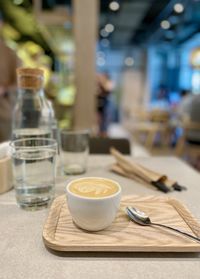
[(94, 188)]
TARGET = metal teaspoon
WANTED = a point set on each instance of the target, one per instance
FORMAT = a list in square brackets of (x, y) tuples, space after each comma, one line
[(141, 218)]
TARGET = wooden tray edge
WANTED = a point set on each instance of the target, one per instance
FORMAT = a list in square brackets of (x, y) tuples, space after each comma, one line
[(54, 214), (186, 215), (179, 207), (107, 249)]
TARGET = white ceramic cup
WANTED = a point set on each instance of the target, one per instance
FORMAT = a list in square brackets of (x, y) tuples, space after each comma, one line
[(93, 214)]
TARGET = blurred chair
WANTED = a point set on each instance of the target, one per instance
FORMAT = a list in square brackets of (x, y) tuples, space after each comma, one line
[(150, 131), (151, 124), (185, 145), (159, 116), (99, 145)]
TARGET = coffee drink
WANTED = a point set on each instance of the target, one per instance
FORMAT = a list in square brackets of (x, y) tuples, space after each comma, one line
[(94, 188), (93, 202)]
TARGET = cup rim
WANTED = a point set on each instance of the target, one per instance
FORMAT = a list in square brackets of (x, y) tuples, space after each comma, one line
[(52, 143), (91, 198)]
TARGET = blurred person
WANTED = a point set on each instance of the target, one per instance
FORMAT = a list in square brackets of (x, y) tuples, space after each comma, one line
[(105, 86), (161, 101), (193, 110), (8, 64), (187, 106), (182, 113), (185, 103)]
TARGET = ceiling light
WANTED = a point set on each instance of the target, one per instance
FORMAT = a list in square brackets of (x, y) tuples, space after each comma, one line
[(101, 61), (18, 2), (178, 8), (129, 61), (105, 42), (104, 33), (109, 27), (114, 6), (165, 24)]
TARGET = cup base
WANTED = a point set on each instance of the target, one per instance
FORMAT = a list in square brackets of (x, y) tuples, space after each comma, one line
[(34, 204), (34, 197), (74, 169), (101, 228)]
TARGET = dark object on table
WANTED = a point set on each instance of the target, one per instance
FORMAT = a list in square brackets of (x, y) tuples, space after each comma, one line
[(99, 145)]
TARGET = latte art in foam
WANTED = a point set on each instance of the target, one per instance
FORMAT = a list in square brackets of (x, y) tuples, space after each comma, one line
[(94, 188)]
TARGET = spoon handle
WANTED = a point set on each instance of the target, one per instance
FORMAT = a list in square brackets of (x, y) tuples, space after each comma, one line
[(178, 231)]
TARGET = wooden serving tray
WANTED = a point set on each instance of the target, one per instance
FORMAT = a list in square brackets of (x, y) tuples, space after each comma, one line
[(61, 234)]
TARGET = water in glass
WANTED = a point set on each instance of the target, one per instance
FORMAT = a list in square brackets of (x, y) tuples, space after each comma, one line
[(34, 175)]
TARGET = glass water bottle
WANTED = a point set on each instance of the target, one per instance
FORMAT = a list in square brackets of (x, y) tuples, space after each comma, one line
[(32, 114)]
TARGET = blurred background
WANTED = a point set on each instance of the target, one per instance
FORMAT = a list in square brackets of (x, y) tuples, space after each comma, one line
[(128, 68)]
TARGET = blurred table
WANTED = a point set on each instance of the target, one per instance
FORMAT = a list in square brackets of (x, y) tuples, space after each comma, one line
[(23, 254)]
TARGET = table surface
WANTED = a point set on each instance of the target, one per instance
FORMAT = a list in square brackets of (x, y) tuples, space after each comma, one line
[(23, 254)]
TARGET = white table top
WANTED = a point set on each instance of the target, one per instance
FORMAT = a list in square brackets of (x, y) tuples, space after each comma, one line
[(23, 254)]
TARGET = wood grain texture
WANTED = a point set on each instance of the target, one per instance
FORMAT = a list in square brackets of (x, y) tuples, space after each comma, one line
[(61, 234)]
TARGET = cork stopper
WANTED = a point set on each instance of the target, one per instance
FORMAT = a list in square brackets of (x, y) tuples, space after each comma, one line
[(30, 78)]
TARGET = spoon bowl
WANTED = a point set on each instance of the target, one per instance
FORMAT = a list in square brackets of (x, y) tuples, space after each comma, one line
[(143, 219)]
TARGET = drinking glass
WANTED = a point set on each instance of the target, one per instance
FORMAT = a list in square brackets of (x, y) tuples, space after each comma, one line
[(34, 169), (74, 151)]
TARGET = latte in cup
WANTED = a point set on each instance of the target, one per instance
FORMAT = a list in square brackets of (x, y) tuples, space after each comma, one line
[(95, 188), (93, 202)]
